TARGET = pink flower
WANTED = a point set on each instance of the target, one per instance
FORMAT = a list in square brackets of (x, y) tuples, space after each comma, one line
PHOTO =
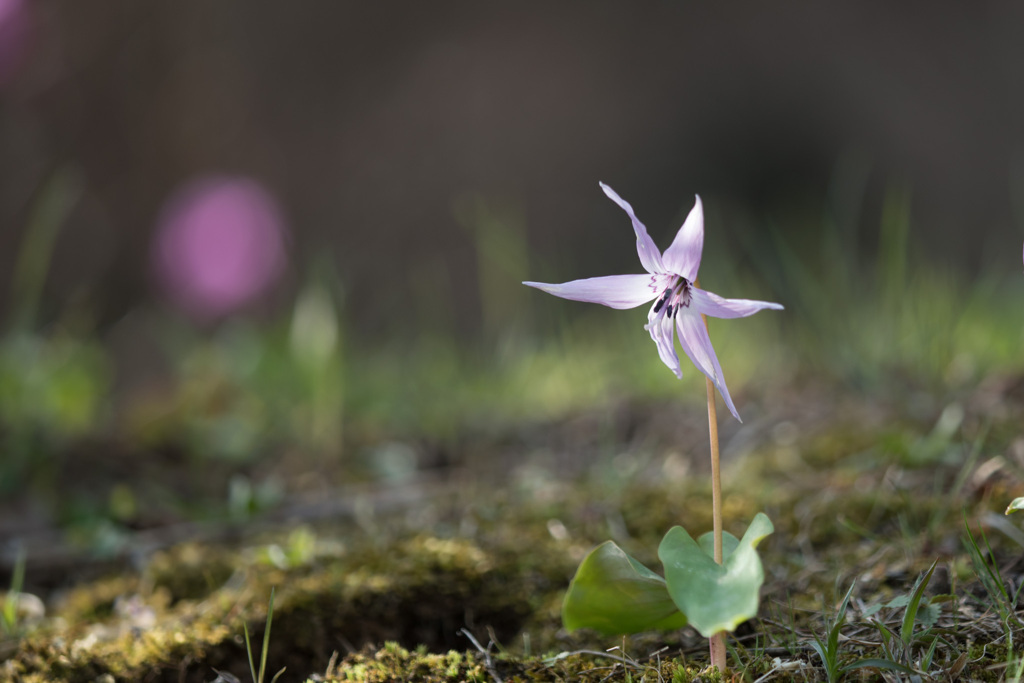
[(15, 30), (219, 245), (678, 303)]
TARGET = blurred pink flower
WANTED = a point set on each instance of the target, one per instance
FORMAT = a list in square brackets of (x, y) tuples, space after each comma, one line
[(14, 37), (219, 245)]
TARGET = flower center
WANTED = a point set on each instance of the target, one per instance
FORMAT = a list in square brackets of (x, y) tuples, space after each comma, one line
[(676, 296)]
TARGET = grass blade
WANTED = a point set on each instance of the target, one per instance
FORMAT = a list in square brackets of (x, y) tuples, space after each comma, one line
[(248, 651), (910, 615), (879, 664), (10, 612), (266, 638)]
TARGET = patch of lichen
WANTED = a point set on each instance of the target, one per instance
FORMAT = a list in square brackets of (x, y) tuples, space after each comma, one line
[(393, 663), (136, 622), (190, 571), (408, 587), (990, 662), (115, 649), (420, 590), (95, 600)]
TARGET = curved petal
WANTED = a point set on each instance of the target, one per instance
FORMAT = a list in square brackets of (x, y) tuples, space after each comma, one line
[(693, 337), (616, 291), (650, 257), (683, 256), (711, 304), (660, 327)]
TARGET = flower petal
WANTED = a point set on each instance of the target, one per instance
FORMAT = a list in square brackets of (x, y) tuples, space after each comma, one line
[(616, 291), (660, 327), (683, 256), (711, 304), (650, 257), (693, 337)]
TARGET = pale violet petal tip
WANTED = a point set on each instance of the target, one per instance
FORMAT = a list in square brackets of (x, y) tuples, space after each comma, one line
[(615, 291), (650, 256), (711, 304), (693, 337), (683, 255)]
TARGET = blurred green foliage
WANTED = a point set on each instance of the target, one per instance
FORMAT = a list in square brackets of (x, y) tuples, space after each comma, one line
[(304, 385)]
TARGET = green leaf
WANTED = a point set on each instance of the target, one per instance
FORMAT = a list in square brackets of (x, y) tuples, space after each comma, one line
[(826, 662), (1015, 504), (840, 620), (715, 597), (614, 594), (910, 615)]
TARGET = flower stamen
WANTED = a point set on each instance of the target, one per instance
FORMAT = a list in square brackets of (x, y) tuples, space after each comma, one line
[(678, 294), (662, 300)]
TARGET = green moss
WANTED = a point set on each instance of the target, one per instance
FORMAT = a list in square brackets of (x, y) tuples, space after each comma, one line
[(395, 663), (396, 599), (190, 571)]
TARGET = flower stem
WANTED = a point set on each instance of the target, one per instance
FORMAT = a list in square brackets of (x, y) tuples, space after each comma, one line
[(716, 475), (717, 641)]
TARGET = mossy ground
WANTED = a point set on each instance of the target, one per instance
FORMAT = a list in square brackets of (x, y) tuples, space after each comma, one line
[(858, 492)]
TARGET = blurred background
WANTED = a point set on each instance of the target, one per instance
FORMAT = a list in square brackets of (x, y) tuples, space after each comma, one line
[(243, 243)]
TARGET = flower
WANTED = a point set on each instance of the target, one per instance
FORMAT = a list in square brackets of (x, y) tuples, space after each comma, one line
[(679, 303), (219, 245), (16, 31)]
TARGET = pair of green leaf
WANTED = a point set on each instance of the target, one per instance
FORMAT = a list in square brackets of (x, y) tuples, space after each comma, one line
[(613, 593)]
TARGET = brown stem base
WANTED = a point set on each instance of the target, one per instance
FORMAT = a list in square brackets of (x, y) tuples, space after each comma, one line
[(717, 642)]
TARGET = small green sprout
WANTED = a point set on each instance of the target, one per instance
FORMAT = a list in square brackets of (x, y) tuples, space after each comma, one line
[(258, 677), (828, 649), (899, 647), (1002, 600), (9, 615)]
